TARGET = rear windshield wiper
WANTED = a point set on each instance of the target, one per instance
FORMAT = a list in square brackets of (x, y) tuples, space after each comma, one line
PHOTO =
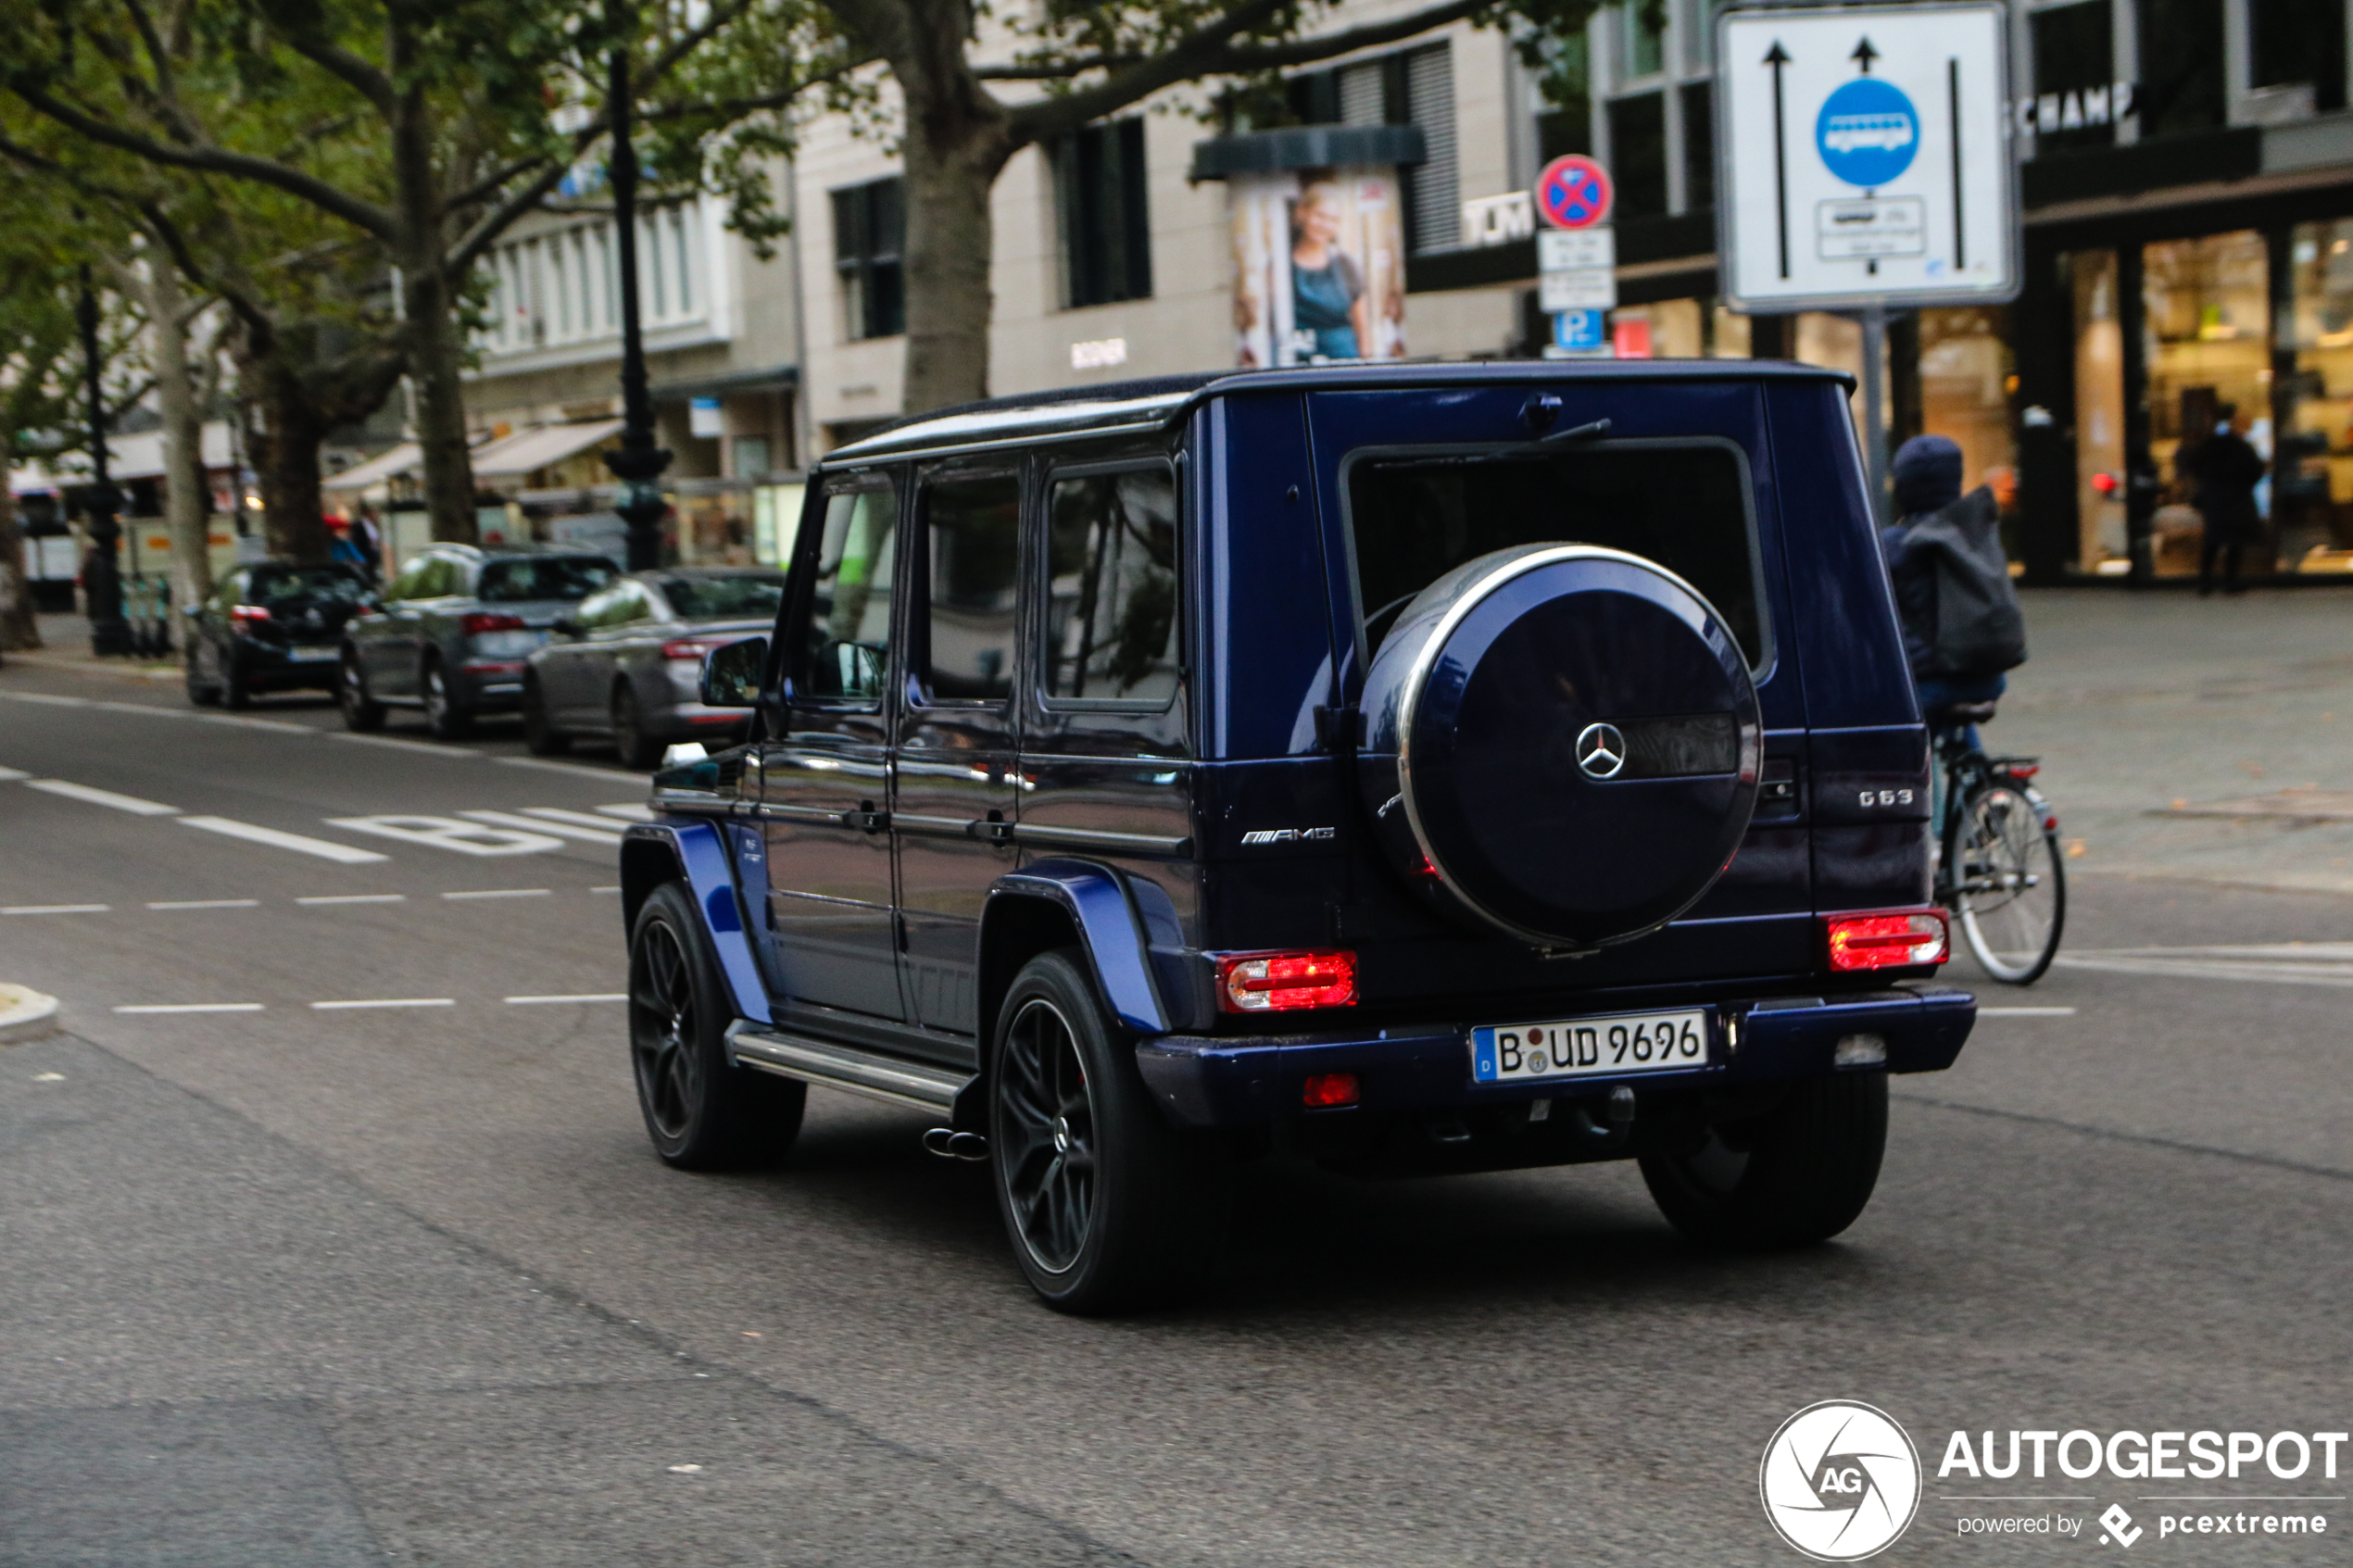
[(1536, 447)]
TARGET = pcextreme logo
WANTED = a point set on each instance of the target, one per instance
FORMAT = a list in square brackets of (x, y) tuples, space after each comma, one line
[(1841, 1481)]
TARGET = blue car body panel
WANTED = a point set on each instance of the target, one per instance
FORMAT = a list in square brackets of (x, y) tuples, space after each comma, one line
[(706, 869)]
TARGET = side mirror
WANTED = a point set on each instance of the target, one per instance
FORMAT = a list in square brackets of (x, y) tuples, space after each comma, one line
[(565, 626), (731, 673)]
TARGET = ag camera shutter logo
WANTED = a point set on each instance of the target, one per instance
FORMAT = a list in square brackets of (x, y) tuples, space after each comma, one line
[(1840, 1481)]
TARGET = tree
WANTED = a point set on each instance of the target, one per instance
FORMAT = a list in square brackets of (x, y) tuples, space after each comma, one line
[(424, 129)]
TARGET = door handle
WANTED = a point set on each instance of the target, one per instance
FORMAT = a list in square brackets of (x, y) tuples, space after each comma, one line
[(865, 819)]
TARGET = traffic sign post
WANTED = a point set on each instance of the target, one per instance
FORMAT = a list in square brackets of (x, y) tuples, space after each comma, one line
[(1863, 163), (1577, 257)]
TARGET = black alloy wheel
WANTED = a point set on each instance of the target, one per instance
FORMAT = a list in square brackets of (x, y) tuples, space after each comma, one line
[(637, 749), (702, 1112), (1798, 1174), (444, 717), (540, 736), (360, 711), (1107, 1205)]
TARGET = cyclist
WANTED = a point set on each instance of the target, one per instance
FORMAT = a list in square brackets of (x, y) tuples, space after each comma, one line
[(1962, 625)]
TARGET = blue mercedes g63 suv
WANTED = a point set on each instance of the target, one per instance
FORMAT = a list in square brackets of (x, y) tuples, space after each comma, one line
[(1419, 769)]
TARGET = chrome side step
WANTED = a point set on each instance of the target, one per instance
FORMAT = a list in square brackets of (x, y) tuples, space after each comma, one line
[(917, 1085)]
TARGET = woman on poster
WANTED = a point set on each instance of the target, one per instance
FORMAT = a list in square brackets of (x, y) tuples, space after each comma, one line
[(1328, 286)]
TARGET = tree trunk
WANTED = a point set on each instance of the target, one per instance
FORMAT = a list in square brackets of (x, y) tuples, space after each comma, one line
[(285, 458), (187, 502), (956, 142), (19, 631), (435, 360)]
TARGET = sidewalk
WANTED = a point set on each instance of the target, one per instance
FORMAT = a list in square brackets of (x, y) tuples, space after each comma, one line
[(2193, 738), (65, 645)]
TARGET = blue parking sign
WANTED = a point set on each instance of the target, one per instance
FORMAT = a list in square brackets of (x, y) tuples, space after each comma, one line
[(1579, 329)]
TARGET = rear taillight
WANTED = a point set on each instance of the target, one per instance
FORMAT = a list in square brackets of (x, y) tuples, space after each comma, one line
[(1328, 1091), (1286, 982), (481, 620), (242, 616), (687, 650), (1888, 941)]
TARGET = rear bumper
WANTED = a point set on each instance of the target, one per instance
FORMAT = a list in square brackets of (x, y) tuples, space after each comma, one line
[(1224, 1081)]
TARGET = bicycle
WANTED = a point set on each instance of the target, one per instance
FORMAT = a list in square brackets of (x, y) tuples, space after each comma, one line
[(1998, 858)]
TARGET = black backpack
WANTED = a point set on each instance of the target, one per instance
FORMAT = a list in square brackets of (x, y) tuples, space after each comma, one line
[(1981, 629)]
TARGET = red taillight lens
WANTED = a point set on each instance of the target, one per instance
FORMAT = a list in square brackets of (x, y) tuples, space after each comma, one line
[(687, 650), (1890, 941), (1328, 1091), (1286, 982), (483, 620), (245, 615)]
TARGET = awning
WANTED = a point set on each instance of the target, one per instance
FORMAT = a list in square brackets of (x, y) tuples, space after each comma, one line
[(403, 459), (526, 452)]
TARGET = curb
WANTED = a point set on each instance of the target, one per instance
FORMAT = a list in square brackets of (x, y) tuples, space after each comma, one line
[(25, 1014), (125, 670)]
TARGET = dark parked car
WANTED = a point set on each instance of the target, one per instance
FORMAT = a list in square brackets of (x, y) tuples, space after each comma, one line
[(628, 662), (1414, 768), (453, 630), (269, 627)]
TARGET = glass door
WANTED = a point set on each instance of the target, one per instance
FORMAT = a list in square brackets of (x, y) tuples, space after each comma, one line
[(2207, 337)]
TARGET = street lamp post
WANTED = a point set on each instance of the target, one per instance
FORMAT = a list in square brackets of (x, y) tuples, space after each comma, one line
[(100, 575), (639, 463)]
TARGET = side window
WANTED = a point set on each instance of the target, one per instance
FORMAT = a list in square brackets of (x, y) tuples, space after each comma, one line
[(1112, 628), (411, 582), (846, 654), (972, 543)]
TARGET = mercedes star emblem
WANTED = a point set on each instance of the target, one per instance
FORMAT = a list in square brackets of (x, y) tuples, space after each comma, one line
[(1601, 751)]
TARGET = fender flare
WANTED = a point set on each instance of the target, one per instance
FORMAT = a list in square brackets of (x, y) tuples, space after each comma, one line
[(1109, 929), (698, 857)]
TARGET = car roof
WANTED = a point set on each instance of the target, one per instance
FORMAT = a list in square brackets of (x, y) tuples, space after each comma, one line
[(1115, 407), (512, 552)]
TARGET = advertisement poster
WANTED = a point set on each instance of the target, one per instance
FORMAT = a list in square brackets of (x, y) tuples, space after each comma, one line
[(1319, 267)]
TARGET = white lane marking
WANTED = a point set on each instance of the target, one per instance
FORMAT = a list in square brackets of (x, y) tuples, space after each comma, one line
[(354, 898), (2026, 1012), (2279, 963), (52, 701), (325, 850), (604, 890), (9, 775), (605, 776), (429, 747), (197, 1007), (501, 893), (630, 809), (207, 904), (579, 819), (55, 908), (386, 1002), (452, 834), (83, 793), (590, 997), (278, 725), (602, 834)]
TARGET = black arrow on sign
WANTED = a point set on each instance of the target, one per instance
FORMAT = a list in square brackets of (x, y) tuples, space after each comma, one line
[(1863, 55), (1778, 57)]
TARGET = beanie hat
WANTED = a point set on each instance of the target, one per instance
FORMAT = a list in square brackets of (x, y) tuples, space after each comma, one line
[(1928, 474)]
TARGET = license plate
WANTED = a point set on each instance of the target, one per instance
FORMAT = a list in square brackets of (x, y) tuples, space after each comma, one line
[(312, 656), (1610, 1046)]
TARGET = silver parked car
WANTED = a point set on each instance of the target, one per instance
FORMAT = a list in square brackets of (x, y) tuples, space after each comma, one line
[(628, 662)]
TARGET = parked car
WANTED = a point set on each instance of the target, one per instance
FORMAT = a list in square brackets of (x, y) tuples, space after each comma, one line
[(454, 628), (1419, 768), (269, 627), (628, 662)]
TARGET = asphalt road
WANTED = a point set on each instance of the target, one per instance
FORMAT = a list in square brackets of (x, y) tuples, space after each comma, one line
[(340, 1284)]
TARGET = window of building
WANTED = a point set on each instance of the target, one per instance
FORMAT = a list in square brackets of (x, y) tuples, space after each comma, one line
[(1638, 154), (2312, 491), (1565, 124), (870, 227), (2073, 52), (1112, 628), (1641, 39), (2300, 42), (1106, 223), (2181, 59), (1416, 88), (1699, 146)]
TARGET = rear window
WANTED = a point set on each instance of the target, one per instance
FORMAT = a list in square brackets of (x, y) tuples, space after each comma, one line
[(751, 596), (548, 577), (284, 584), (1414, 515)]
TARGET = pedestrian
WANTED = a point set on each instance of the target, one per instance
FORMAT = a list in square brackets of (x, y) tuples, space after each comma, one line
[(346, 548), (2226, 468), (1962, 624)]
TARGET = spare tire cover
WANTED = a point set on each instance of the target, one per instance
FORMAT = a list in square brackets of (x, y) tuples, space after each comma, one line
[(1561, 742)]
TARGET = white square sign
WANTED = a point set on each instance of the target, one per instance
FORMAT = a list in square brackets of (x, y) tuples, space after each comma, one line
[(1864, 156)]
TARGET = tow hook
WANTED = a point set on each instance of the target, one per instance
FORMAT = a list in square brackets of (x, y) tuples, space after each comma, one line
[(1617, 1109), (949, 1144)]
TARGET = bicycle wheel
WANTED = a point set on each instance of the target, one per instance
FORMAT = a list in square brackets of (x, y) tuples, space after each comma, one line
[(2007, 887)]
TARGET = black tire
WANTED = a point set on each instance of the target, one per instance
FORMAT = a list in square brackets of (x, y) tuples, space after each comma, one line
[(2009, 889), (1108, 1205), (1799, 1174), (444, 716), (362, 712), (540, 736), (637, 749), (701, 1114), (202, 694), (235, 692)]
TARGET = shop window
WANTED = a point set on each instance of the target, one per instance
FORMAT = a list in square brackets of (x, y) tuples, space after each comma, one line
[(1638, 154), (1699, 146), (2207, 304), (2074, 73), (1689, 329), (1965, 396), (2300, 42), (2313, 489), (870, 227), (1107, 235), (2180, 67), (2104, 540), (750, 454)]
